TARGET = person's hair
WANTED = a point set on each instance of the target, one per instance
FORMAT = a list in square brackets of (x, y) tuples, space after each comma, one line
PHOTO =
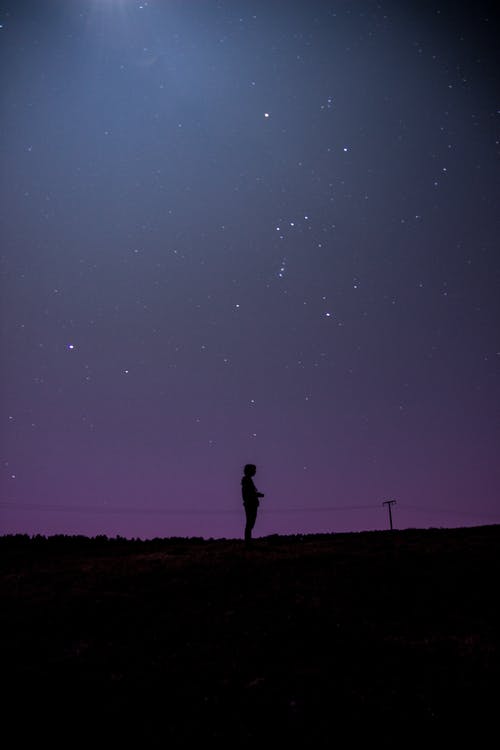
[(249, 469)]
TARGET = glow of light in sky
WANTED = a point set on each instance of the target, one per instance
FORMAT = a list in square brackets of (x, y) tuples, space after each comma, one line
[(186, 290)]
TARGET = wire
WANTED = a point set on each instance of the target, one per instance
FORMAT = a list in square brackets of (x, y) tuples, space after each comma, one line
[(168, 511), (113, 509), (104, 509), (426, 509)]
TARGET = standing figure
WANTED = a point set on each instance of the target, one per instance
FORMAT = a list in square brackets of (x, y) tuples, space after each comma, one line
[(250, 499)]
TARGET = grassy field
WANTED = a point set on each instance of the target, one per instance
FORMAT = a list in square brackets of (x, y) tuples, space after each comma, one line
[(300, 640)]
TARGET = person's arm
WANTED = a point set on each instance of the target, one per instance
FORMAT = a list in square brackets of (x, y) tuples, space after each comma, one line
[(256, 493)]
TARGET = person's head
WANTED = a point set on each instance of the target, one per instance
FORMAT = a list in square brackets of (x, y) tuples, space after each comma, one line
[(249, 470)]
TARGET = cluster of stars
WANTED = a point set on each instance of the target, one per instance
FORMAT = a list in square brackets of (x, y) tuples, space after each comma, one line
[(240, 231)]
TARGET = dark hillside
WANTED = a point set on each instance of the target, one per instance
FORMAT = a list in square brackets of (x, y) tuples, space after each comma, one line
[(173, 641)]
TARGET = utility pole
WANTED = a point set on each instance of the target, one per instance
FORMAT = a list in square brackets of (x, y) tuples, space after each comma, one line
[(389, 503)]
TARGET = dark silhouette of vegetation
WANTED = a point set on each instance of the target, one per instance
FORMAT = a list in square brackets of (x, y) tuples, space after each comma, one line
[(303, 641)]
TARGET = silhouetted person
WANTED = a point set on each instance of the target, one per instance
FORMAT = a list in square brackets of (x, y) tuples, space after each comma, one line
[(250, 499)]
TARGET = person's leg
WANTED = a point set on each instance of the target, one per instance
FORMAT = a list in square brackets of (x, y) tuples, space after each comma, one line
[(251, 516)]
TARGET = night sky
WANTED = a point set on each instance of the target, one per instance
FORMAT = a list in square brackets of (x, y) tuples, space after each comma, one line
[(238, 231)]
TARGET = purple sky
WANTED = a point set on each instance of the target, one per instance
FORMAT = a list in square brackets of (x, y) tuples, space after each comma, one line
[(237, 232)]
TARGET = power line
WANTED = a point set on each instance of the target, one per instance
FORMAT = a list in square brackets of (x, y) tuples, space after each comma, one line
[(319, 509), (111, 509), (427, 509), (171, 511)]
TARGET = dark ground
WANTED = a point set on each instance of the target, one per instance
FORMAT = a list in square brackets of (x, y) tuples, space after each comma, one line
[(301, 640)]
